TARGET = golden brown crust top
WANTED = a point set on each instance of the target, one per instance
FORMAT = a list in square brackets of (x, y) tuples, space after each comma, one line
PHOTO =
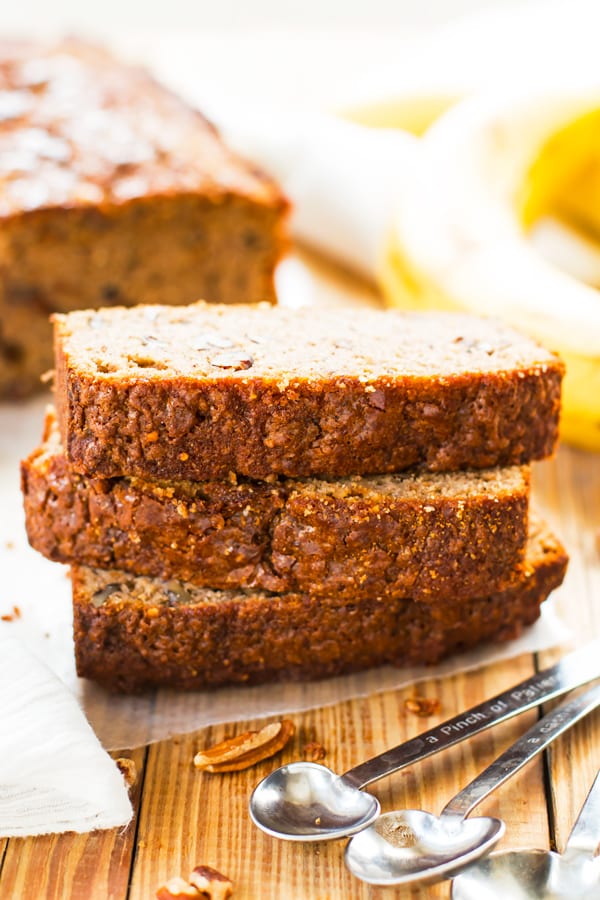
[(78, 128)]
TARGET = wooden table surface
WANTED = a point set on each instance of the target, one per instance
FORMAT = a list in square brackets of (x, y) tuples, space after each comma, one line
[(185, 818)]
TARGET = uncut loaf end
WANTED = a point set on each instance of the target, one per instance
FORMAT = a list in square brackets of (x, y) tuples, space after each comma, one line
[(114, 191), (133, 633), (204, 391)]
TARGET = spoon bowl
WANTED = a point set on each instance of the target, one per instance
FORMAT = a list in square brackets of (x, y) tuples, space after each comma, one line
[(411, 843), (529, 875), (542, 874), (305, 801)]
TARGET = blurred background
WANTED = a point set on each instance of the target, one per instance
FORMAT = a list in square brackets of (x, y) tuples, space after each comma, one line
[(307, 51), (203, 14)]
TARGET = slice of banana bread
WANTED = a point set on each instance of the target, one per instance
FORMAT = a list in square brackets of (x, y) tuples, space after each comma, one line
[(133, 632), (115, 191), (419, 535), (204, 391)]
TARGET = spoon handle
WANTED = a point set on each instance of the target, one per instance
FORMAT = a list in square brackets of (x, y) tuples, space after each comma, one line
[(529, 745), (572, 671), (585, 834)]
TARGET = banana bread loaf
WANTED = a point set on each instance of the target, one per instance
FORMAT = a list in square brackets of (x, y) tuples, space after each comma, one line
[(133, 632), (200, 392), (115, 191), (419, 535)]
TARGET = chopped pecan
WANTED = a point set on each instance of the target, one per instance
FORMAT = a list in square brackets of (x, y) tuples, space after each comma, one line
[(177, 889), (245, 750), (128, 770), (423, 706), (101, 596), (211, 883), (237, 360), (204, 883), (10, 617), (314, 752)]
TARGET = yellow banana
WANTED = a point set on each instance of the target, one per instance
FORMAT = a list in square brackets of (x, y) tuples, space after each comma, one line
[(490, 169), (413, 111), (565, 179)]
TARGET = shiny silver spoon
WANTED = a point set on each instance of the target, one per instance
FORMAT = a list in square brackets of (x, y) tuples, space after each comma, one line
[(541, 874), (411, 845), (307, 802)]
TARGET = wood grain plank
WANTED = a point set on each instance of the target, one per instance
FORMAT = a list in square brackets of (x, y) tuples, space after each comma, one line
[(571, 489), (573, 765), (188, 817), (568, 490), (92, 866)]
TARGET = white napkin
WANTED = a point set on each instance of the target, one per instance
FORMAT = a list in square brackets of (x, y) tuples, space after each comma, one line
[(54, 775), (344, 180)]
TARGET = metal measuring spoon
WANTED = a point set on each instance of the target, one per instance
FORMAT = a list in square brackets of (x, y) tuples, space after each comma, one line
[(411, 845), (308, 802), (541, 874)]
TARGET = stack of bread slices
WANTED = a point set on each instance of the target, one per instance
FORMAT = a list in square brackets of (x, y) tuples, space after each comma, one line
[(252, 493)]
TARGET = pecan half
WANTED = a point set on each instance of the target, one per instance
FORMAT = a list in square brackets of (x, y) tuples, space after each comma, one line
[(245, 750)]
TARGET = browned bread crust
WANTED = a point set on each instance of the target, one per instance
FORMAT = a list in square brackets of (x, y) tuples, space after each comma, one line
[(419, 535), (200, 392), (133, 633), (115, 191)]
